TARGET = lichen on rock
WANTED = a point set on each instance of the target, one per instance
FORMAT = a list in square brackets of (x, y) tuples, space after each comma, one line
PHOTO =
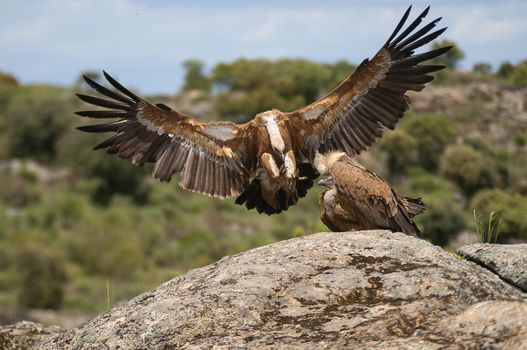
[(368, 289)]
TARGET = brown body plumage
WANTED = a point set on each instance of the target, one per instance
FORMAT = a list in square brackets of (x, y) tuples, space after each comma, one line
[(267, 162), (358, 199)]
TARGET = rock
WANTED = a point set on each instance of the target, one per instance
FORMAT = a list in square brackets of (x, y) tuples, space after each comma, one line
[(509, 261), (23, 335), (500, 110), (368, 289), (43, 174)]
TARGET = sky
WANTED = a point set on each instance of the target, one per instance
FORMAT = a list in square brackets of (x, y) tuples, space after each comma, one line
[(144, 43)]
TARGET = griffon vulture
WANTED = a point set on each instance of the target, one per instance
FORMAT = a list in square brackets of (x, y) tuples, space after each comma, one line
[(267, 162), (358, 199)]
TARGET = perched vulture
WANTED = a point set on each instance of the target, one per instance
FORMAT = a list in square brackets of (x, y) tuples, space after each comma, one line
[(268, 162), (358, 199)]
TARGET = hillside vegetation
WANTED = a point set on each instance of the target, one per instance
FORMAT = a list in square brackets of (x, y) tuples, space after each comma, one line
[(81, 230)]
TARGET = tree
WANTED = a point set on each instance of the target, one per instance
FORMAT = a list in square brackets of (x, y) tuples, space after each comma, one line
[(401, 149), (8, 80), (442, 219), (248, 87), (432, 134), (469, 169), (482, 68), (505, 70), (42, 278), (519, 74), (451, 58), (36, 118), (195, 79)]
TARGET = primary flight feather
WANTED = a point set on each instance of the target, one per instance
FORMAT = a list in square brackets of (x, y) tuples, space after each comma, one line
[(268, 162)]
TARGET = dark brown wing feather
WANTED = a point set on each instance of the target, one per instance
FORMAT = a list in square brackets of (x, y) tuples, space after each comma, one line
[(352, 117), (212, 158), (414, 206), (252, 199), (371, 198)]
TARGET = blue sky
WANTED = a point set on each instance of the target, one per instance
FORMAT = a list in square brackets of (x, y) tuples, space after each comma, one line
[(144, 43)]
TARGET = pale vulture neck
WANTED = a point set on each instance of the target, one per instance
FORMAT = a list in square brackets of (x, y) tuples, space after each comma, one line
[(324, 162)]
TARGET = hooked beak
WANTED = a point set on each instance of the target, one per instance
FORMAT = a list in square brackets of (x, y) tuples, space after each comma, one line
[(328, 182)]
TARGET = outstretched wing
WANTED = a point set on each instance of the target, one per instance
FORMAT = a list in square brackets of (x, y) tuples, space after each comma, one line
[(352, 117), (212, 158)]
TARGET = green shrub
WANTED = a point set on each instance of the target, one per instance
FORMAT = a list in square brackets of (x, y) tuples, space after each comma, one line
[(432, 134), (197, 248), (509, 208), (442, 220), (16, 191), (195, 79), (469, 169), (107, 252), (482, 68), (505, 70), (421, 184), (35, 120), (42, 278), (519, 74), (110, 174), (520, 140), (451, 58), (4, 221), (401, 151), (248, 87), (109, 241)]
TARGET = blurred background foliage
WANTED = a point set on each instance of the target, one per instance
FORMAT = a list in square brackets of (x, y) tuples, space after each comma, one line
[(74, 222)]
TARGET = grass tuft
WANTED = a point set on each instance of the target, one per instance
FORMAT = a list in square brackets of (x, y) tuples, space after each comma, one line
[(488, 232)]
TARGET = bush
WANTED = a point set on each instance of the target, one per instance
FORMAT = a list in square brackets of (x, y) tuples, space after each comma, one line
[(42, 277), (401, 151), (442, 220), (195, 79), (248, 87), (17, 191), (432, 134), (451, 58), (35, 120), (509, 208), (505, 70), (111, 174), (4, 221), (482, 68), (109, 252), (469, 169), (519, 74), (515, 74), (421, 184), (56, 211)]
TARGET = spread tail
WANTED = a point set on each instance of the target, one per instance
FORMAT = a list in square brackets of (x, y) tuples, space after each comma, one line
[(405, 222), (413, 206)]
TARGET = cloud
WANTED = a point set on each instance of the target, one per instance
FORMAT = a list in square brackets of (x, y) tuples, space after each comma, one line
[(145, 42)]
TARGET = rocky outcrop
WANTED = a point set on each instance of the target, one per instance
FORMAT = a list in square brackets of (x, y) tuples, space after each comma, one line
[(23, 335), (42, 174), (501, 111), (509, 261), (369, 289)]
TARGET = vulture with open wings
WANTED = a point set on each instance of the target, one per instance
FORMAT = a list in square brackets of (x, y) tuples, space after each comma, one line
[(267, 162)]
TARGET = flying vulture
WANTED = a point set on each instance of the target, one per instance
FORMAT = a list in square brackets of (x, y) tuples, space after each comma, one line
[(268, 162), (358, 199)]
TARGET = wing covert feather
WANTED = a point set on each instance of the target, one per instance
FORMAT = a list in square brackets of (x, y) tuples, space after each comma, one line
[(213, 158)]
